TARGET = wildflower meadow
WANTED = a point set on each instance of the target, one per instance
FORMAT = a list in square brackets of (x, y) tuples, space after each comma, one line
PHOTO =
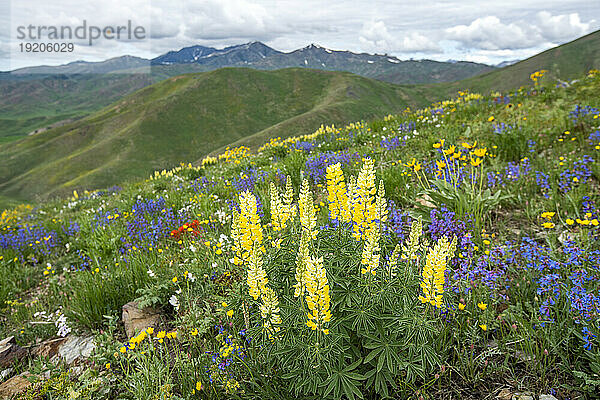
[(446, 252)]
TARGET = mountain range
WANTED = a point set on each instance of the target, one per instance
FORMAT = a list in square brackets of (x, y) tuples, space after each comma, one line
[(258, 55), (36, 98)]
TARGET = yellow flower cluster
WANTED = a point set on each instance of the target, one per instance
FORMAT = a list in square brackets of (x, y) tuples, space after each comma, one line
[(393, 261), (434, 270), (308, 217), (337, 195), (208, 160), (410, 251), (169, 173), (286, 143), (246, 230), (587, 221), (317, 294), (258, 287), (269, 310), (370, 254), (537, 75), (10, 216), (236, 154), (299, 287), (367, 205), (147, 333), (547, 216), (466, 96), (282, 210)]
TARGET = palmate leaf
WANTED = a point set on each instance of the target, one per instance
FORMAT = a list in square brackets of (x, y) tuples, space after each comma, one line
[(343, 381), (385, 348)]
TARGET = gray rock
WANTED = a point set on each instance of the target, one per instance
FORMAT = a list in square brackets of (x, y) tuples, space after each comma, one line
[(136, 319), (522, 396), (76, 348), (547, 397)]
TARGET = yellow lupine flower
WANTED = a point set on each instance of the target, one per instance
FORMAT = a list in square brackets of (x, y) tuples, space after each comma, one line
[(257, 282), (393, 262), (257, 277), (363, 203), (246, 229), (317, 294), (337, 194), (370, 254), (280, 211), (433, 275), (410, 251)]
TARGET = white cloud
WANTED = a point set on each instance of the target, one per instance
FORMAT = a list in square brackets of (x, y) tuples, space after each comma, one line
[(375, 36), (490, 33), (216, 19), (415, 42), (398, 28), (561, 27)]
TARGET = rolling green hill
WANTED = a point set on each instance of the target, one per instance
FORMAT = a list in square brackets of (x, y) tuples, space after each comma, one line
[(183, 119), (31, 102)]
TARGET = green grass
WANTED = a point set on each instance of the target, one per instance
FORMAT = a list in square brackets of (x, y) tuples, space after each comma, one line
[(518, 300), (183, 119)]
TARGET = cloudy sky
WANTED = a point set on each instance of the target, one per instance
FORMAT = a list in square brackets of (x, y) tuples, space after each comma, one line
[(474, 30)]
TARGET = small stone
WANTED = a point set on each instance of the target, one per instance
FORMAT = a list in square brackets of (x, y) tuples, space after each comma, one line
[(505, 394), (49, 348), (136, 319), (522, 356), (522, 396), (15, 385), (425, 201), (547, 397), (76, 348)]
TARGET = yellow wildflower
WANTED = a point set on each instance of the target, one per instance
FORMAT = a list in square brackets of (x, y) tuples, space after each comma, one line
[(337, 195), (433, 275), (370, 254), (317, 294)]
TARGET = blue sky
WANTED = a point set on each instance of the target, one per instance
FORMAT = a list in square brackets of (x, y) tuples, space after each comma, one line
[(482, 31)]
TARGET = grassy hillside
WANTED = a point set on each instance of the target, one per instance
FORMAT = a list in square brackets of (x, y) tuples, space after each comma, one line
[(30, 104), (445, 253), (33, 102), (185, 118)]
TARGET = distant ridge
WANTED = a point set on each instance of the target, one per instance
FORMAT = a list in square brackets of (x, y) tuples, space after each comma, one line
[(78, 88), (185, 118)]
